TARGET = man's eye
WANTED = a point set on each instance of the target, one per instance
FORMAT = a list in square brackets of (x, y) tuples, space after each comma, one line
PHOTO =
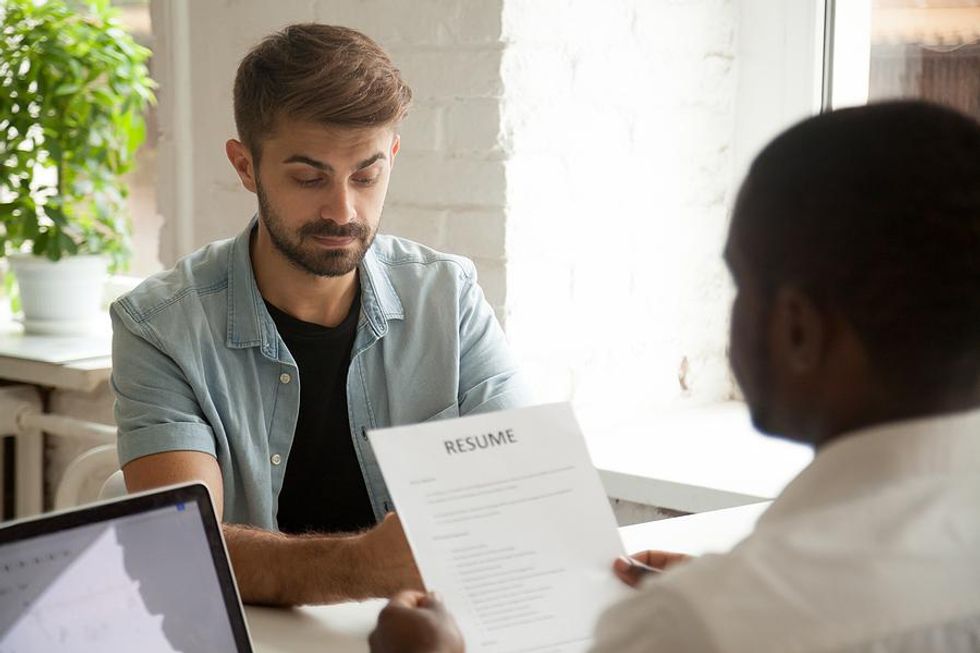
[(365, 181), (309, 183)]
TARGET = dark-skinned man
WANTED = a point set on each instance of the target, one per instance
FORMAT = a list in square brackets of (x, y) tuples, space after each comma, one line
[(855, 249)]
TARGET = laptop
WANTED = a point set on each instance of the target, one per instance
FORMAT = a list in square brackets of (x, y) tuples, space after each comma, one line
[(148, 573)]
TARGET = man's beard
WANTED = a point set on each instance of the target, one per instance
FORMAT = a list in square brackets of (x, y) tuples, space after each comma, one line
[(312, 258)]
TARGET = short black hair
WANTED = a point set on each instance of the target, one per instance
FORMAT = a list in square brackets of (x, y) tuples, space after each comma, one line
[(875, 212)]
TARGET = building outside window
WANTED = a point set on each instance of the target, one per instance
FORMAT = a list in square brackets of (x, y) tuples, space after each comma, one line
[(886, 49)]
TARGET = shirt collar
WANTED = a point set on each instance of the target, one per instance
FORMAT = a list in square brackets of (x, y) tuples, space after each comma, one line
[(249, 322), (887, 454), (379, 301)]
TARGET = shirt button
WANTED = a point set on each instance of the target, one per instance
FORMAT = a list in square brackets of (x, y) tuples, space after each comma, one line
[(285, 378), (276, 459)]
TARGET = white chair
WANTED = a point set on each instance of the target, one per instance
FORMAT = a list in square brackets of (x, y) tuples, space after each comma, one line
[(95, 464), (114, 486)]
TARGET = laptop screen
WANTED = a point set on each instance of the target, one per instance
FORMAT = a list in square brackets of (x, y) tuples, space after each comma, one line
[(147, 573)]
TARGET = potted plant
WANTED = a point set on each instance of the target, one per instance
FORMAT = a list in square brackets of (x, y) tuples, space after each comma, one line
[(73, 88)]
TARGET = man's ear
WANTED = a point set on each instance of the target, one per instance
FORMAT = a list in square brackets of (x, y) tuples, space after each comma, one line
[(241, 159), (396, 145), (799, 331)]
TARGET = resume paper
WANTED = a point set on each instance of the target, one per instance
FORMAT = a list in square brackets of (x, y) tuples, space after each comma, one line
[(509, 522)]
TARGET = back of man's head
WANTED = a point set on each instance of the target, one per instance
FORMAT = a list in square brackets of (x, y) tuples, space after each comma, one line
[(324, 74), (874, 212)]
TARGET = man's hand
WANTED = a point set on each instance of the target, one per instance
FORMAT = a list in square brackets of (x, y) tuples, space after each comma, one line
[(414, 622), (634, 569), (385, 550)]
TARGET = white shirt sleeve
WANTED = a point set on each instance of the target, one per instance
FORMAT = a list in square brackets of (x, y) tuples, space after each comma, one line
[(653, 620)]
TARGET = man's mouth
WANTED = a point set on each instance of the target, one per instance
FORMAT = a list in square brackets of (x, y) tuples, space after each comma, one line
[(334, 241)]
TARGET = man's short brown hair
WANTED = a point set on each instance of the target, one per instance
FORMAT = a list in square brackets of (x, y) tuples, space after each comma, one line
[(330, 75)]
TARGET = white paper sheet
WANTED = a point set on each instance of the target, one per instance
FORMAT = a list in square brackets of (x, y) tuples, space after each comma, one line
[(508, 521)]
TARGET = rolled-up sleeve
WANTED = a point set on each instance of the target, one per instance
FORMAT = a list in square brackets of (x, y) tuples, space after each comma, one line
[(155, 409)]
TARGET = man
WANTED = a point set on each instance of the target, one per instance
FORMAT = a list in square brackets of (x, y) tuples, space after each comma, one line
[(257, 364), (855, 248)]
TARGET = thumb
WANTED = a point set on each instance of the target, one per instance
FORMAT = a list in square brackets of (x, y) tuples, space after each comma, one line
[(407, 599), (632, 571), (433, 601)]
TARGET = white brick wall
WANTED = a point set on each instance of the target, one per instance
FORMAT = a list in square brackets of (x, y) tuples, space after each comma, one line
[(620, 118)]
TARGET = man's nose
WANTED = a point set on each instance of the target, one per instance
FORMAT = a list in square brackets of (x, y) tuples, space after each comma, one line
[(338, 206)]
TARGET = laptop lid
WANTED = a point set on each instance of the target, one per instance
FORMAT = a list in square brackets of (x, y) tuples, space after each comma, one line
[(148, 572)]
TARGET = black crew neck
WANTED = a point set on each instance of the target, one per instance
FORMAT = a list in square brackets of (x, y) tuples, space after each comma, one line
[(289, 325)]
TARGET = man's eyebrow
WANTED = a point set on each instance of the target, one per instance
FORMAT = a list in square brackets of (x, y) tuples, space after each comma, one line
[(319, 165), (326, 167), (371, 160)]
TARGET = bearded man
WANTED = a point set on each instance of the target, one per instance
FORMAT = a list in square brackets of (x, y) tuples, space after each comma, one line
[(257, 364)]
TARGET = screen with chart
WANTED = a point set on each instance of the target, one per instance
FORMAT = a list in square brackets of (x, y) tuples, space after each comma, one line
[(142, 582)]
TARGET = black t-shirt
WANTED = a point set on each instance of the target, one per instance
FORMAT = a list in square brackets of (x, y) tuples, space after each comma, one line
[(323, 490)]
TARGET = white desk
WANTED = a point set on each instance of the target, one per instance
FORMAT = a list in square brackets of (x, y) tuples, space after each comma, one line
[(344, 628), (62, 362), (698, 460)]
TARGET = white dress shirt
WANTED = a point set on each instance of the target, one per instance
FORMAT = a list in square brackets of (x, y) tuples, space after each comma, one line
[(874, 547)]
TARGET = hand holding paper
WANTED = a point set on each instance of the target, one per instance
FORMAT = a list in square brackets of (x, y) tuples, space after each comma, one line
[(415, 622)]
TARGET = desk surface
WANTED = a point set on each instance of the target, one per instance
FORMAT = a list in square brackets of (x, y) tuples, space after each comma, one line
[(344, 628), (317, 629)]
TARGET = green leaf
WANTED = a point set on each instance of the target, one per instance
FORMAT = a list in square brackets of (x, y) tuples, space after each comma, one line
[(53, 247), (10, 289), (67, 89), (66, 244), (56, 214), (40, 245)]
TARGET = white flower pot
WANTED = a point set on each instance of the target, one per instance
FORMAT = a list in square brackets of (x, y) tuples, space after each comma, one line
[(63, 297)]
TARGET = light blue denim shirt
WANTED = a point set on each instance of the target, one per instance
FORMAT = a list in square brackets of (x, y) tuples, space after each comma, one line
[(198, 364)]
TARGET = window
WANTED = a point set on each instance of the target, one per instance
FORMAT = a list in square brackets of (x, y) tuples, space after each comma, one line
[(135, 17), (885, 49)]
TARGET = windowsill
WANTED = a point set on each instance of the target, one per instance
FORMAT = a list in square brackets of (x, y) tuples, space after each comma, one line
[(698, 459)]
